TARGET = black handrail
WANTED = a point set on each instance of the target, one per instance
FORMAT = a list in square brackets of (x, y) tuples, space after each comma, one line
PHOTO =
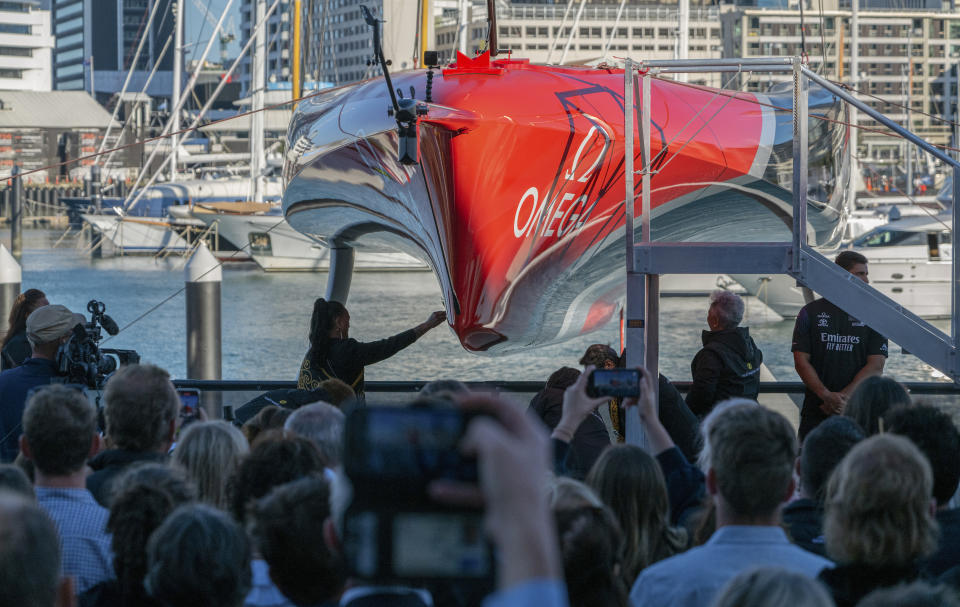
[(242, 385)]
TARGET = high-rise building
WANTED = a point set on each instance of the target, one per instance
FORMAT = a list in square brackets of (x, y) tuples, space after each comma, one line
[(337, 42), (96, 41), (907, 60), (25, 46)]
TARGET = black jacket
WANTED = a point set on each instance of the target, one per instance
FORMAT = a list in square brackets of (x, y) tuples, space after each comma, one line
[(589, 440), (346, 359), (728, 366), (108, 465), (850, 583), (16, 351), (947, 555), (803, 519)]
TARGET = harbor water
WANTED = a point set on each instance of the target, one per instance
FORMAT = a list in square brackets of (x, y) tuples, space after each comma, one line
[(266, 318)]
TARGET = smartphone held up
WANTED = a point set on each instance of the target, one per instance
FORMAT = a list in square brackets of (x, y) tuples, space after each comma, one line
[(614, 383)]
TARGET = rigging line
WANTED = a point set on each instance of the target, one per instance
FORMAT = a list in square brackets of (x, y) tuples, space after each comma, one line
[(945, 121), (136, 59), (913, 201), (556, 37), (704, 125), (157, 306), (189, 129), (163, 53), (823, 42), (613, 31), (754, 100), (203, 26), (573, 31), (175, 113), (803, 33), (695, 116)]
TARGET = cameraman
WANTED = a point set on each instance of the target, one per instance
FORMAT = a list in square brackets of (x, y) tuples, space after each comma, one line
[(47, 328)]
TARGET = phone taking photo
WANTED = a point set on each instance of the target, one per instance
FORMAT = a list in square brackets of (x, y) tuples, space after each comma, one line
[(189, 402), (615, 383)]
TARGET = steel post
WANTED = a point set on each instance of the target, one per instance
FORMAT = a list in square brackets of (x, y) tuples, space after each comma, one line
[(96, 194), (203, 278), (10, 276), (800, 176), (955, 266), (341, 273), (16, 215)]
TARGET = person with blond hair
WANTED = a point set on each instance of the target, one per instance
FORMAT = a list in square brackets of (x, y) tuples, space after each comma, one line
[(878, 522), (210, 452)]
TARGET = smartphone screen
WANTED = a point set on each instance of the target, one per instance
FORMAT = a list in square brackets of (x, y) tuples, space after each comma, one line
[(189, 402), (616, 383)]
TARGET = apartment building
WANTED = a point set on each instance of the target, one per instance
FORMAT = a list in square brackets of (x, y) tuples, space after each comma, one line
[(25, 46), (549, 33), (96, 41), (907, 58), (337, 42)]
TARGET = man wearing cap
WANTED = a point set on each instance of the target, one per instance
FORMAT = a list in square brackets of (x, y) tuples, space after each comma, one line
[(47, 328)]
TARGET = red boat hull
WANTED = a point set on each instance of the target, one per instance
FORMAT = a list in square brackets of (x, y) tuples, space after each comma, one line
[(518, 202)]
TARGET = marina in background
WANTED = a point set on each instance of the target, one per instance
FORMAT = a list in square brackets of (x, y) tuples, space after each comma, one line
[(266, 317)]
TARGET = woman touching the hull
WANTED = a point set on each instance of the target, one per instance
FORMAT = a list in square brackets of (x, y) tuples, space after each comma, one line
[(333, 354)]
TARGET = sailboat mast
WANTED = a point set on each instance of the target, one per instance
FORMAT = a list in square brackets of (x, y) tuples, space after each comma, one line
[(854, 83), (177, 77), (296, 87), (424, 38), (683, 37), (259, 83), (462, 25)]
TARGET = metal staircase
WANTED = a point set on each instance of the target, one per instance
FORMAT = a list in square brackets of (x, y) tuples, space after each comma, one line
[(646, 260)]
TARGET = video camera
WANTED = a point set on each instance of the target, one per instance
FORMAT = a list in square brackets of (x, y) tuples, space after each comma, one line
[(82, 361), (392, 529)]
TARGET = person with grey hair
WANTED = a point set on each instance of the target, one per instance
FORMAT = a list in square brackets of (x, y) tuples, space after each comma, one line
[(773, 587), (198, 557), (140, 408), (321, 423), (728, 366), (30, 556)]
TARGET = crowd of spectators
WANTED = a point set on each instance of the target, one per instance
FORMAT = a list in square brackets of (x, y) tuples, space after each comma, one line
[(133, 506)]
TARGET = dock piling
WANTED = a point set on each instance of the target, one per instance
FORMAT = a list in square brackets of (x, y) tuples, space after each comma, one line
[(16, 215), (9, 286), (203, 278)]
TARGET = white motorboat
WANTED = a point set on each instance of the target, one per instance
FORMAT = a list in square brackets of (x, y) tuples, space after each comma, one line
[(154, 223), (135, 235), (910, 262), (276, 247)]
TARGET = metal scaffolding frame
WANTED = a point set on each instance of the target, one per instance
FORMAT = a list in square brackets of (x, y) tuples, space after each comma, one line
[(647, 260)]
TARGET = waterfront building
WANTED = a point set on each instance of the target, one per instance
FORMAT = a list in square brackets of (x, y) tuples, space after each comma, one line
[(545, 33), (907, 57), (25, 46), (44, 128), (100, 38)]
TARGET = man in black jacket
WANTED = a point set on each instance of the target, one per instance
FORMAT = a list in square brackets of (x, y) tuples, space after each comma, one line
[(822, 451), (590, 438), (728, 366)]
